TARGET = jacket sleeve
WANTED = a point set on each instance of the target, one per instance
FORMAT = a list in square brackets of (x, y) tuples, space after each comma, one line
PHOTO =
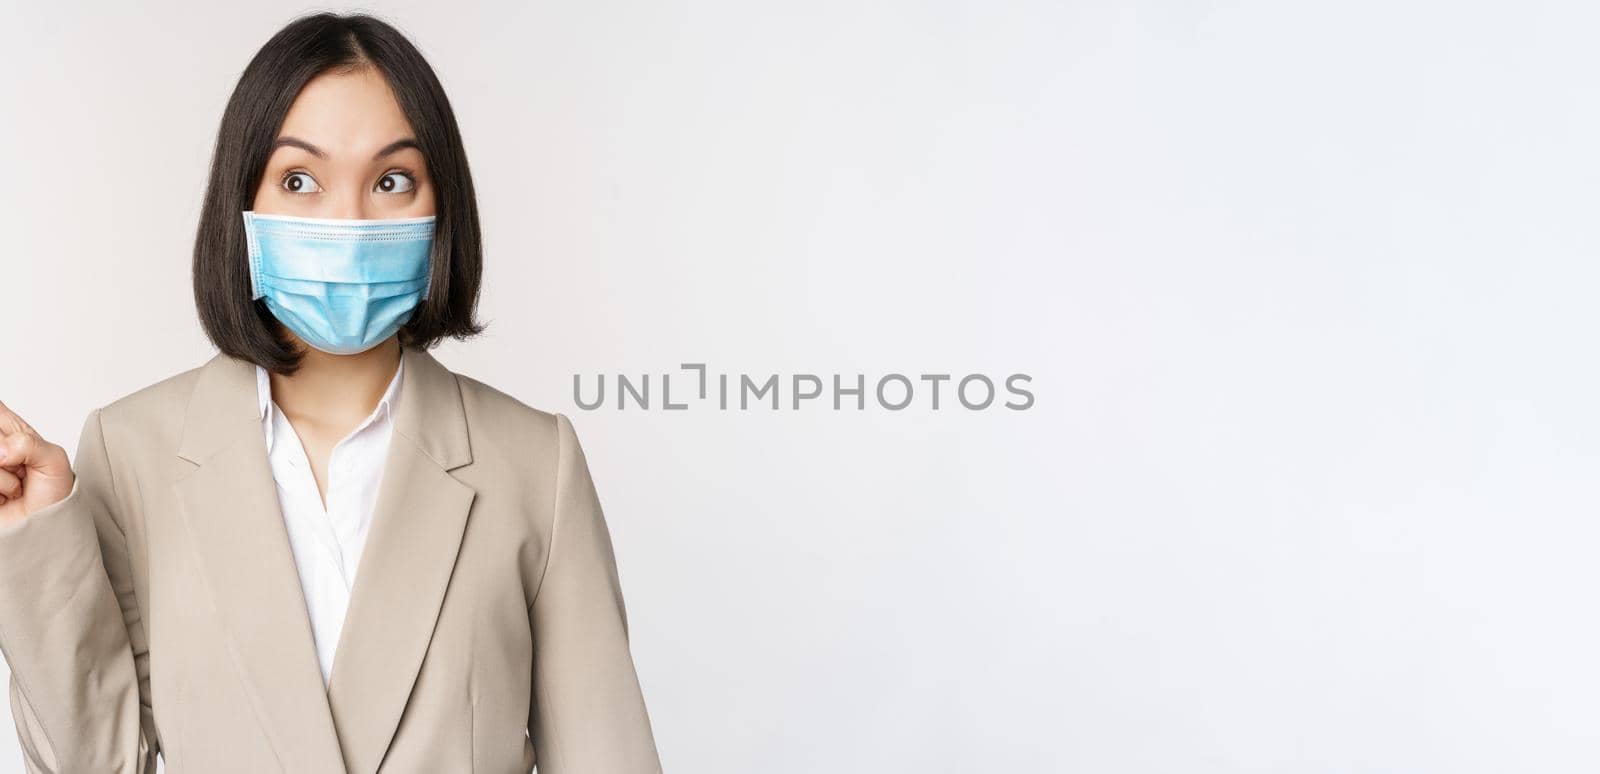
[(588, 713), (71, 631)]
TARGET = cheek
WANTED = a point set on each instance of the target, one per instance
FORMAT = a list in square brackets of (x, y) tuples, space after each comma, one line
[(265, 199), (423, 203)]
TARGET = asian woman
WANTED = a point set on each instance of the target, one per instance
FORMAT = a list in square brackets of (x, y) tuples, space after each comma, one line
[(321, 550)]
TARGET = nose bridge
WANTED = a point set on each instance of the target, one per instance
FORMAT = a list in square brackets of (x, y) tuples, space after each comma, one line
[(350, 202), (344, 194)]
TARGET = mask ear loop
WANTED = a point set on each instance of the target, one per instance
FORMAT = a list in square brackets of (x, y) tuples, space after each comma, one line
[(253, 252), (427, 286)]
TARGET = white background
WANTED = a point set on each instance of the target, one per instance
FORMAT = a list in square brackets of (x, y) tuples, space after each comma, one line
[(1306, 291)]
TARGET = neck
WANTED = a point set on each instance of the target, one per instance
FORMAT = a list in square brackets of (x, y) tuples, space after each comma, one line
[(337, 389)]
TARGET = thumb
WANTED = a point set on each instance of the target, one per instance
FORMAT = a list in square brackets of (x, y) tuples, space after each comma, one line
[(27, 450)]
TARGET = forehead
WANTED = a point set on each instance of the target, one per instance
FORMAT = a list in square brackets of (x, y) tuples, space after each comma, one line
[(352, 112)]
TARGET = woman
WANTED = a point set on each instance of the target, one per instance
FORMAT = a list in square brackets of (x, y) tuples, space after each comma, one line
[(189, 586)]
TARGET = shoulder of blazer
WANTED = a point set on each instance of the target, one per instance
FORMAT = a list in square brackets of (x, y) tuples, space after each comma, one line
[(151, 416), (500, 422)]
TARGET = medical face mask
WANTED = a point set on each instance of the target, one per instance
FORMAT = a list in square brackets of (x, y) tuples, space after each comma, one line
[(341, 285)]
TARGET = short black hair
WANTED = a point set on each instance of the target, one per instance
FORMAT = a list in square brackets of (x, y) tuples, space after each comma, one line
[(306, 48)]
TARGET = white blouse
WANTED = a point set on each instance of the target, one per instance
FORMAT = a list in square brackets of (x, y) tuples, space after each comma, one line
[(327, 542)]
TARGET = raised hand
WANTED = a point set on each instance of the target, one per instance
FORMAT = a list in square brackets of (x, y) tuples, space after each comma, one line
[(34, 473)]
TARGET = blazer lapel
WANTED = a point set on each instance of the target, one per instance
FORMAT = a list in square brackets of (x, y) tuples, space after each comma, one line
[(416, 531), (230, 505)]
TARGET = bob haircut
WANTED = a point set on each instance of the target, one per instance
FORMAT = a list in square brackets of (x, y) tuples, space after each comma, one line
[(310, 46)]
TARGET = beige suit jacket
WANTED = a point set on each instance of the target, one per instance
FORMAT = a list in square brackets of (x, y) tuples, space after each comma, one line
[(157, 607)]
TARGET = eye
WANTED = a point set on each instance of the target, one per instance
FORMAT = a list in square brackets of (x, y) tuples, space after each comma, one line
[(396, 182), (300, 183)]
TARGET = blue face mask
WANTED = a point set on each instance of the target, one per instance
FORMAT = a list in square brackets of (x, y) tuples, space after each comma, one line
[(341, 285)]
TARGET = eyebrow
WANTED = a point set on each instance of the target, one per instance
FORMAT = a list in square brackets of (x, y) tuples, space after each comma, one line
[(296, 142)]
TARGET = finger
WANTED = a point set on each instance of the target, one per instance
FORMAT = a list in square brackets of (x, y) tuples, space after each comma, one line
[(33, 453), (14, 446), (10, 485), (9, 421)]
